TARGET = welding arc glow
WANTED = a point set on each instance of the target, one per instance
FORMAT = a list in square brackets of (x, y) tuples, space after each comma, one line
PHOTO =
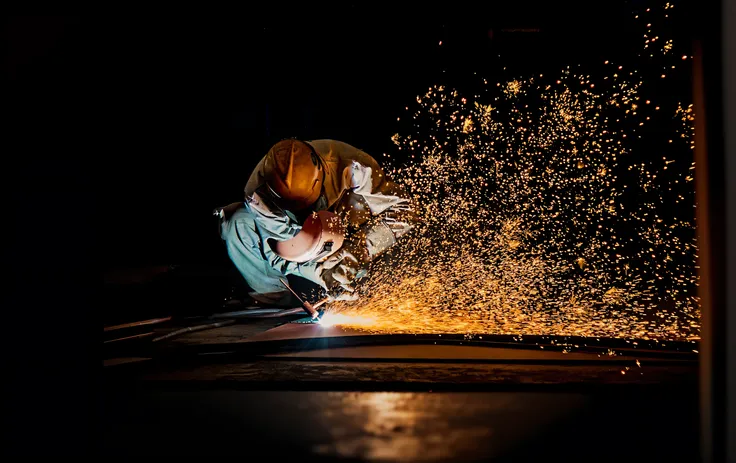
[(334, 319)]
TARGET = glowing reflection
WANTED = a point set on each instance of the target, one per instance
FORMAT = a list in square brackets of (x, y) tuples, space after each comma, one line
[(403, 426)]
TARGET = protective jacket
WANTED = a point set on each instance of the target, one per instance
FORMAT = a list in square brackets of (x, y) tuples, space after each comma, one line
[(376, 211)]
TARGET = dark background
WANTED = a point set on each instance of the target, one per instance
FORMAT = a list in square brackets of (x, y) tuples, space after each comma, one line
[(123, 132), (157, 120)]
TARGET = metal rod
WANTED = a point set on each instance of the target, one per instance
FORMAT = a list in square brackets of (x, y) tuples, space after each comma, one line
[(190, 329), (238, 313), (140, 323), (307, 306), (283, 313), (259, 313), (321, 302), (135, 336)]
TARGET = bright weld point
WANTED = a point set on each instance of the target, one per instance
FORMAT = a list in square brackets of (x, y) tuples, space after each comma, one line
[(334, 319)]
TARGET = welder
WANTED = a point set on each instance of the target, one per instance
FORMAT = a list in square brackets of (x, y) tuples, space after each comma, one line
[(286, 224)]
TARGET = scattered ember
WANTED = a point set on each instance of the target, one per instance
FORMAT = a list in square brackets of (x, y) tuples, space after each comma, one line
[(540, 216)]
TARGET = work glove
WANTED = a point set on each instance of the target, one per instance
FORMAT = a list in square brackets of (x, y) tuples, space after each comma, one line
[(343, 293), (368, 237), (341, 270), (352, 208), (373, 234)]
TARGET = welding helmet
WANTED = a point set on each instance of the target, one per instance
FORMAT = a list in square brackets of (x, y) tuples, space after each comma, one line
[(293, 174)]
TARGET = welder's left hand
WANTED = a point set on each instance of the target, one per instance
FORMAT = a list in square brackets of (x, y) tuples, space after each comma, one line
[(343, 293), (341, 269)]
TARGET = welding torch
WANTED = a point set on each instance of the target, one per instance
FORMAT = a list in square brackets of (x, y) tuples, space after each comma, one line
[(311, 309)]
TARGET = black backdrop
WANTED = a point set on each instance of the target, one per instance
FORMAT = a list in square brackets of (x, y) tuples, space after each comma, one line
[(154, 121)]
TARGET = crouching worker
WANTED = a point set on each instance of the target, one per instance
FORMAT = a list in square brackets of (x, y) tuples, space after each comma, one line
[(321, 210)]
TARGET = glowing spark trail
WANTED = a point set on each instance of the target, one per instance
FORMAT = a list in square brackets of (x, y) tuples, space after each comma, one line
[(539, 217)]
